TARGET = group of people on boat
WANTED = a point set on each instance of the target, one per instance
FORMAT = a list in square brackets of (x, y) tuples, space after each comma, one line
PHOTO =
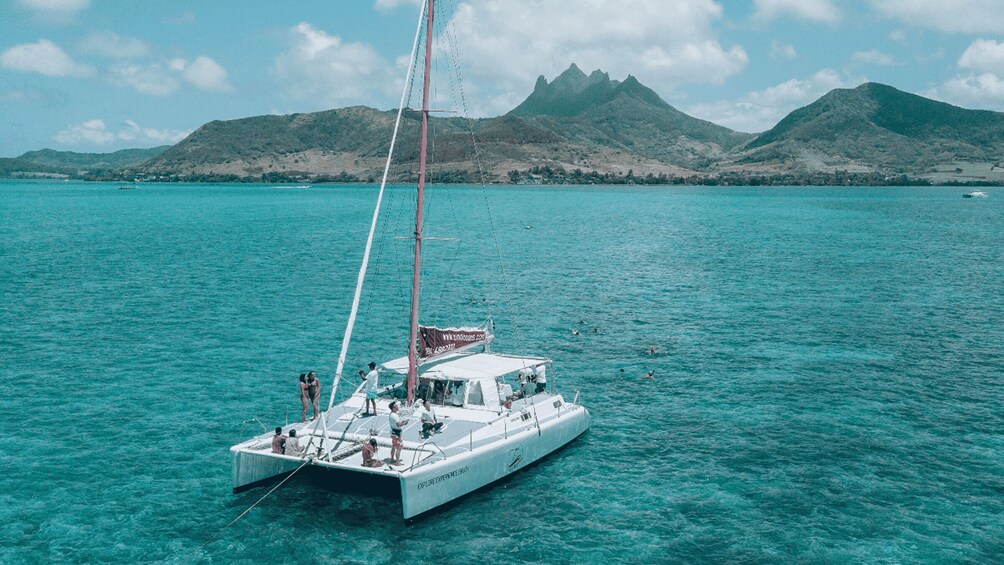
[(532, 380), (397, 422), (286, 444)]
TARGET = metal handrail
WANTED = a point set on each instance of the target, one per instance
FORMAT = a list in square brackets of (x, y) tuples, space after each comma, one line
[(420, 449)]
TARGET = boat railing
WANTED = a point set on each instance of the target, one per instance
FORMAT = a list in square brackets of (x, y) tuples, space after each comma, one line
[(575, 401), (421, 449)]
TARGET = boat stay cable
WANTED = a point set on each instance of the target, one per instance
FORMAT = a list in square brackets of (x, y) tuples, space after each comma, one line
[(347, 338), (451, 42)]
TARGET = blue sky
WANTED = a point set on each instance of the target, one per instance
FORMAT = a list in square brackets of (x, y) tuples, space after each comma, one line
[(102, 75)]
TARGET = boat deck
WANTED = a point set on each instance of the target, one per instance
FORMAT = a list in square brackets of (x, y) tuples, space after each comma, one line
[(348, 429)]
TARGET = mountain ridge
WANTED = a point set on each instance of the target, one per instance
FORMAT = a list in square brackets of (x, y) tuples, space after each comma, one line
[(580, 122)]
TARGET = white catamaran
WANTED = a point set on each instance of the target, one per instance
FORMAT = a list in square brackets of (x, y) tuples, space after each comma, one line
[(494, 422)]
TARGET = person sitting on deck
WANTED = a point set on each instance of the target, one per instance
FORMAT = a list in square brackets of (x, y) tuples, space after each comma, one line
[(430, 424), (397, 424), (293, 445), (369, 450), (278, 441)]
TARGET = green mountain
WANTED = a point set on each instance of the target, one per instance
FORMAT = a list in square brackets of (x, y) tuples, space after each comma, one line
[(576, 121), (877, 128), (578, 128), (21, 168), (91, 161), (598, 113)]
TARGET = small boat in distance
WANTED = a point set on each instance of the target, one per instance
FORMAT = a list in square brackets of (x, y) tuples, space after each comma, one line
[(128, 187), (491, 414), (975, 194)]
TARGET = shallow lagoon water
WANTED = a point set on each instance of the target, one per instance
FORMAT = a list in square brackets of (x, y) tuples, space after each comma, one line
[(829, 375)]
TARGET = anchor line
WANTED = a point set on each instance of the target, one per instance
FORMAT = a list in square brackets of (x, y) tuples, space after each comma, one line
[(250, 508)]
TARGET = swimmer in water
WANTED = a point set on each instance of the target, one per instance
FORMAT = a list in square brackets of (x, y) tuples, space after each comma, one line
[(649, 375)]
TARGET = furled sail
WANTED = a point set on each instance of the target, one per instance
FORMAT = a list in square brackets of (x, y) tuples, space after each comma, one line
[(434, 341)]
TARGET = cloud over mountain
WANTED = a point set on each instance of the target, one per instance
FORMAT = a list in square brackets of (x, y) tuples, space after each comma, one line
[(45, 58)]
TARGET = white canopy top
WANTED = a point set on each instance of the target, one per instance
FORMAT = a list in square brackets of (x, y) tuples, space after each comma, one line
[(467, 367)]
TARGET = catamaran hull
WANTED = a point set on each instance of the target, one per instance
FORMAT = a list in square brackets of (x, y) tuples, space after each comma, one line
[(434, 485), (430, 486), (253, 469)]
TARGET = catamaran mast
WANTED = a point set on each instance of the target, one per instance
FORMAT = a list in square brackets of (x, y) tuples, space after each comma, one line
[(413, 339)]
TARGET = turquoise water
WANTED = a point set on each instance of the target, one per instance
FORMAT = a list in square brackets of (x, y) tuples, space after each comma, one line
[(829, 375)]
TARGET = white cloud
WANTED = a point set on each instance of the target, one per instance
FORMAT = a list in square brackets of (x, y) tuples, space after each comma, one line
[(761, 110), (984, 91), (95, 132), (55, 11), (146, 78), (982, 86), (507, 43), (782, 51), (898, 35), (162, 79), (112, 45), (963, 16), (91, 131), (984, 56), (812, 10), (45, 58), (385, 5), (202, 73), (874, 57), (323, 68)]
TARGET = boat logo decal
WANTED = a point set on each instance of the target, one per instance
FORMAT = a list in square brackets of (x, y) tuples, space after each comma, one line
[(516, 455), (441, 478)]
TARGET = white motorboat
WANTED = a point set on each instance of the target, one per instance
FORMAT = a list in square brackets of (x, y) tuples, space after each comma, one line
[(494, 422), (975, 194)]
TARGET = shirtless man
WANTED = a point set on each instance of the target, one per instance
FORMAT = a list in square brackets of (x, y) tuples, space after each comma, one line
[(313, 392), (278, 441)]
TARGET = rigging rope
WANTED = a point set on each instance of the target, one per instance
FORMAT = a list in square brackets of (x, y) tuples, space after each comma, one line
[(454, 58), (347, 338), (242, 514)]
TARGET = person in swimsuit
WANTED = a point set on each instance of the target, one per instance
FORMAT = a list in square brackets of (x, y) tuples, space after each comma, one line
[(369, 451), (304, 398), (314, 392)]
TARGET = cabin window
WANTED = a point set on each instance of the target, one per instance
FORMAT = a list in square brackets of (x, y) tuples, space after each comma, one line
[(474, 395)]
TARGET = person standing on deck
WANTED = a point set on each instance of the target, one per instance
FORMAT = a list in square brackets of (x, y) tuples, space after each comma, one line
[(371, 380), (314, 391), (304, 396), (541, 373), (278, 441), (397, 424)]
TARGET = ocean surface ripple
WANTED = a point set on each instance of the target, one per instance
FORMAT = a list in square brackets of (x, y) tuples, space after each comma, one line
[(829, 370)]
